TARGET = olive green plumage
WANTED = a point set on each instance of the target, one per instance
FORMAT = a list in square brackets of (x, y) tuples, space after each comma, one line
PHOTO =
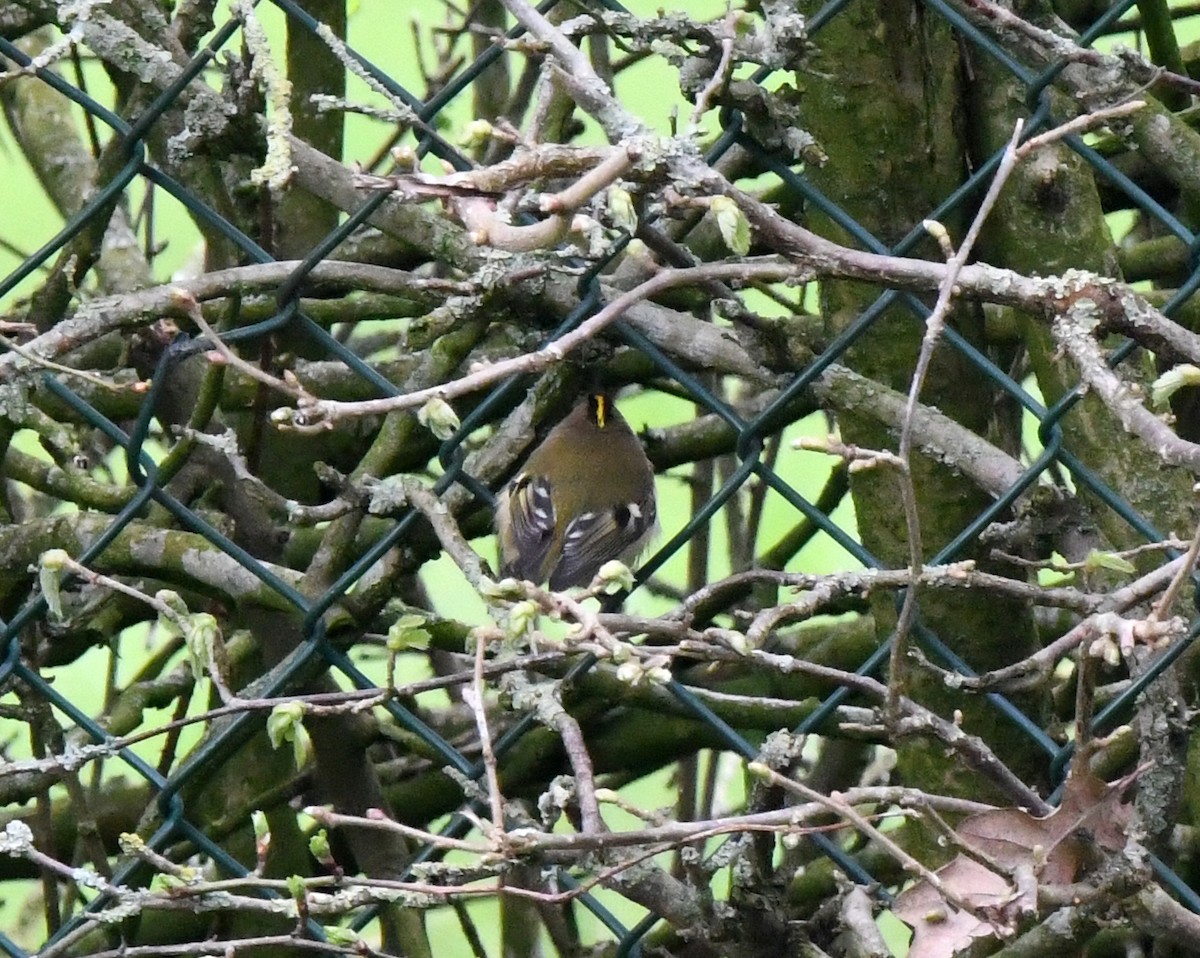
[(585, 496)]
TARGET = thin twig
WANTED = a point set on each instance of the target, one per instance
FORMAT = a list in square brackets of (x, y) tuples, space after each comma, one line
[(314, 414), (934, 326), (581, 765), (474, 697), (163, 609), (192, 308), (836, 804), (947, 290), (96, 381), (719, 78), (1162, 607), (453, 543)]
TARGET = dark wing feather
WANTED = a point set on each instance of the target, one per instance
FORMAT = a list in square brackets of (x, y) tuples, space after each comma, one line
[(530, 518), (593, 538)]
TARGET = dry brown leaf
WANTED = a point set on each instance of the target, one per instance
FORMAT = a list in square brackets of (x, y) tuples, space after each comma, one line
[(1048, 850), (939, 929)]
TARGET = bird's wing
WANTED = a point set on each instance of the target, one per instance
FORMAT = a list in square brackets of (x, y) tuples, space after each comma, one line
[(530, 519), (592, 538)]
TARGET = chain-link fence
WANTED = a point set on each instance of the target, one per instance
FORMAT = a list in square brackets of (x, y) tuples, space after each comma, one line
[(136, 507)]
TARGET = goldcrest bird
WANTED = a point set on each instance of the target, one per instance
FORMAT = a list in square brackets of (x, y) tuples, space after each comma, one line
[(585, 496)]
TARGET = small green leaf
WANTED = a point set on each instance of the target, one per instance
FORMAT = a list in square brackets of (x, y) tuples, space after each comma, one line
[(407, 632), (615, 576), (172, 600), (295, 885), (164, 884), (285, 724), (201, 635), (522, 618), (301, 746), (508, 588), (337, 935), (1108, 560), (732, 222), (318, 845), (439, 417), (50, 569), (1173, 380), (131, 843), (622, 210), (55, 559), (168, 622), (475, 134)]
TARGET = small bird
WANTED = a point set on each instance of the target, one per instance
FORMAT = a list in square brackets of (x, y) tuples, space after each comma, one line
[(585, 496)]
